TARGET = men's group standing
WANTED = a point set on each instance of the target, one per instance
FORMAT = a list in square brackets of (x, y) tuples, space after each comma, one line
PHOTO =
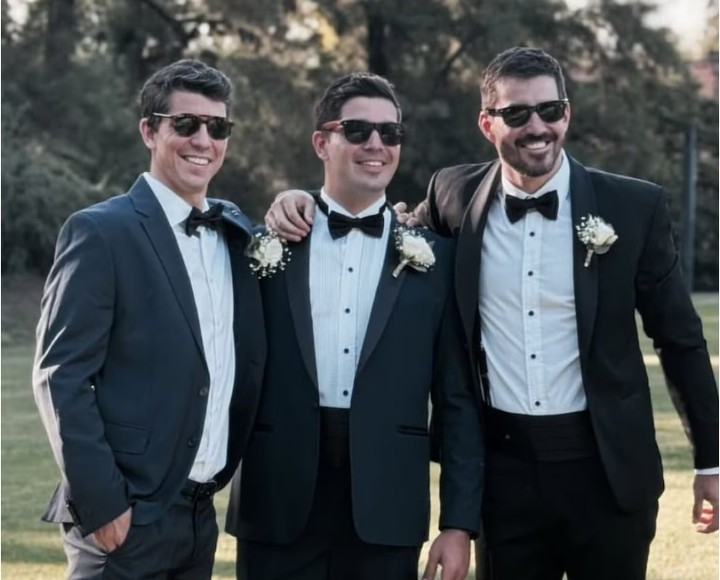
[(499, 340)]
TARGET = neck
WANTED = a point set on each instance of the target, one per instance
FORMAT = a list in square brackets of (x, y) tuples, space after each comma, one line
[(530, 184), (194, 198), (353, 203)]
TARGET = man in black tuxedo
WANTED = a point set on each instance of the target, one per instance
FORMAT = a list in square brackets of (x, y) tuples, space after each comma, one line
[(573, 472), (150, 348), (335, 482)]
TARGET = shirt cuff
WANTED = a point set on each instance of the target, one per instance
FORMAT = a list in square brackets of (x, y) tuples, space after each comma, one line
[(708, 471)]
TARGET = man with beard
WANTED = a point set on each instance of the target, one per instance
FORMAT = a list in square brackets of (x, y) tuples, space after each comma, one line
[(568, 254)]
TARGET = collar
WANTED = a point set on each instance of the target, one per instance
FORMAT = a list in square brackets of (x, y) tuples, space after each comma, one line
[(175, 208)]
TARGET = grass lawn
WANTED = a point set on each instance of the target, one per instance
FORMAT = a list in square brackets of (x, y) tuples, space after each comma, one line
[(31, 549)]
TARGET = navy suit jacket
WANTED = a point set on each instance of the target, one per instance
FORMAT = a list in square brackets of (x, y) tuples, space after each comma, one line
[(120, 377), (411, 352), (641, 272)]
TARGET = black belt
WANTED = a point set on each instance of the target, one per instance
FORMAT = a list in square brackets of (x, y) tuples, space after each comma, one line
[(541, 437), (195, 491)]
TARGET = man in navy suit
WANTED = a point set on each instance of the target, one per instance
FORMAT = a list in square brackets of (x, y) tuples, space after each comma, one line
[(150, 348), (553, 261), (362, 332)]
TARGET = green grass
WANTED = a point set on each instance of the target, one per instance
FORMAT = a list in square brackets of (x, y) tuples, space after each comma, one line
[(31, 549)]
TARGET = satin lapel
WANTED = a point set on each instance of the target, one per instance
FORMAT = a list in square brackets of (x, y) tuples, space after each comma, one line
[(162, 238), (298, 289), (584, 202), (385, 297), (469, 246)]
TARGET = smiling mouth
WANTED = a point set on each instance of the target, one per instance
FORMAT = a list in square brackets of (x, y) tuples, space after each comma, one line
[(200, 161), (535, 142)]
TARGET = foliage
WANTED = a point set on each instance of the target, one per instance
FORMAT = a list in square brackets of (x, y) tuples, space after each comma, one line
[(631, 92)]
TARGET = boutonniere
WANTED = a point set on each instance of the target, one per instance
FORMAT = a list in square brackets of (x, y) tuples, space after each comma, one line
[(596, 234), (414, 250), (268, 253)]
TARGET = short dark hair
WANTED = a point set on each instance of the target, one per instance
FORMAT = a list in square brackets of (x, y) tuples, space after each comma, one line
[(519, 62), (189, 75), (356, 84)]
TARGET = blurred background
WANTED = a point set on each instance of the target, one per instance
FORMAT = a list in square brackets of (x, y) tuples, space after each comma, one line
[(642, 78)]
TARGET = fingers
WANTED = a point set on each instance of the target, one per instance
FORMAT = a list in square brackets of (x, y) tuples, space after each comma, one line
[(707, 521), (400, 208), (697, 510), (112, 535), (432, 564), (291, 216), (411, 221)]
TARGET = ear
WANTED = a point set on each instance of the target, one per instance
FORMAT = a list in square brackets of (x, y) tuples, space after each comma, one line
[(147, 133), (485, 126), (320, 144)]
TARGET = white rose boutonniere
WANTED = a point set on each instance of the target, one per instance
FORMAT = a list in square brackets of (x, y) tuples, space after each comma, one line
[(414, 250), (268, 253), (596, 234)]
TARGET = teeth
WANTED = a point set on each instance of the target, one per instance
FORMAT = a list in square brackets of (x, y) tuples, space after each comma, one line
[(373, 163), (198, 160), (536, 145)]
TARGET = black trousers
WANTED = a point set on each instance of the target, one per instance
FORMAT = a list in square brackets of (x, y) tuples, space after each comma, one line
[(179, 546), (549, 511), (329, 548)]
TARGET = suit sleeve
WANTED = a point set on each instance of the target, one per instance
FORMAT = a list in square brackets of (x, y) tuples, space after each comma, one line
[(669, 318), (72, 337), (427, 211), (456, 432)]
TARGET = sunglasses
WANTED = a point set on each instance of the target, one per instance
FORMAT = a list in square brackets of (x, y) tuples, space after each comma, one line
[(187, 124), (358, 132), (517, 115)]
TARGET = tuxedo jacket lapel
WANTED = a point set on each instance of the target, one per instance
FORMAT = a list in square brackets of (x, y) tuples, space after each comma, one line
[(297, 276), (584, 202), (162, 238), (385, 297), (469, 246)]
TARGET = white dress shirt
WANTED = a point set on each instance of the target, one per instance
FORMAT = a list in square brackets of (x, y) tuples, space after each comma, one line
[(344, 275), (207, 261), (527, 306)]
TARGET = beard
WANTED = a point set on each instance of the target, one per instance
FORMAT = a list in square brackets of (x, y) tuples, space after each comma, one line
[(530, 164)]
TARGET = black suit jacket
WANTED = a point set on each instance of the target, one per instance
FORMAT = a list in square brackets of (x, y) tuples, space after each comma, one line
[(120, 377), (641, 272), (411, 350)]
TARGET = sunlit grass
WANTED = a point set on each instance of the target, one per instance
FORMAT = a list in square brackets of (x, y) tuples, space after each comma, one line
[(31, 549)]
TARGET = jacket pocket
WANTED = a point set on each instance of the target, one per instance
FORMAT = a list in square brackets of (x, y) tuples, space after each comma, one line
[(412, 430), (126, 438)]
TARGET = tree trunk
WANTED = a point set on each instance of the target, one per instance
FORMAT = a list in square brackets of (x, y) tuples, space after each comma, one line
[(60, 36), (377, 60)]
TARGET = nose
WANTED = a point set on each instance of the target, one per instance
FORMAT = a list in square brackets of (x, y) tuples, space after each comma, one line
[(535, 121), (374, 141), (201, 137)]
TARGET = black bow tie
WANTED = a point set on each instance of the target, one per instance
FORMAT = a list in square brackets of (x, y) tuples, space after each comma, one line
[(212, 218), (546, 204), (340, 225)]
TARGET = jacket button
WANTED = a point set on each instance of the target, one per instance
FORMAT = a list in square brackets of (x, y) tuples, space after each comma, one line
[(203, 392), (192, 442)]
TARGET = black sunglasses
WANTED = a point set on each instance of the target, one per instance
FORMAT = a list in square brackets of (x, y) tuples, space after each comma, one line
[(517, 115), (358, 132), (187, 124)]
